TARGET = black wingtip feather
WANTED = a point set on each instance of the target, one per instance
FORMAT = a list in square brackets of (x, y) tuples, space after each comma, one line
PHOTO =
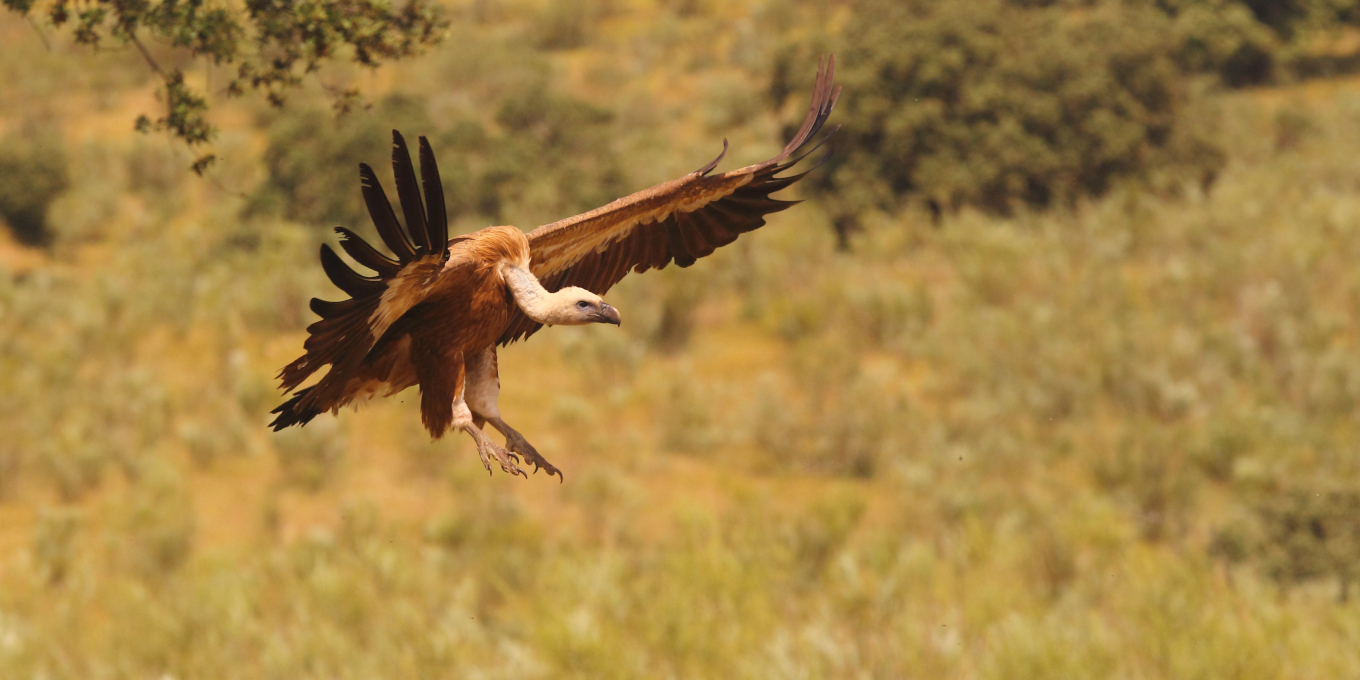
[(347, 279), (380, 210), (408, 192), (813, 149), (436, 218), (329, 309), (367, 255), (713, 163)]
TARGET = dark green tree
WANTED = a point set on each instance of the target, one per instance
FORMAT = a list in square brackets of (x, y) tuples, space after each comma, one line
[(272, 44), (547, 156), (32, 173), (999, 105)]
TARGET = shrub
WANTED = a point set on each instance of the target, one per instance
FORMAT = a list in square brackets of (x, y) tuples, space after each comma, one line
[(1223, 38), (988, 104), (313, 158), (552, 159), (545, 157), (32, 174), (1313, 534)]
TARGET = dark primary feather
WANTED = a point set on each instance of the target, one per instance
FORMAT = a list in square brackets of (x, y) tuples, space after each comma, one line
[(380, 210), (437, 218), (367, 255), (595, 250), (408, 192), (343, 336), (347, 279)]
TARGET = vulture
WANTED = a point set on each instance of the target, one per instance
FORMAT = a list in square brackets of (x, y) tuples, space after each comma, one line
[(434, 311)]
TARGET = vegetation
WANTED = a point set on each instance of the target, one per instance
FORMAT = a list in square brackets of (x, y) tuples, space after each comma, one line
[(271, 44), (542, 153), (990, 104), (34, 167), (998, 104), (1113, 440)]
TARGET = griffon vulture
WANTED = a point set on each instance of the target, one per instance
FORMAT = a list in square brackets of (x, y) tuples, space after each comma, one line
[(434, 314)]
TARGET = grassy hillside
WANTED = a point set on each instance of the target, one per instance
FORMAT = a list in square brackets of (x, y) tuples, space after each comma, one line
[(1053, 445)]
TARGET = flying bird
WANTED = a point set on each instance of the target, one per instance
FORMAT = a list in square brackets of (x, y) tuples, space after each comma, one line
[(434, 313)]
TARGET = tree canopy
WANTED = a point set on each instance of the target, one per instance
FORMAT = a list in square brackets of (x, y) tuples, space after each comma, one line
[(273, 45)]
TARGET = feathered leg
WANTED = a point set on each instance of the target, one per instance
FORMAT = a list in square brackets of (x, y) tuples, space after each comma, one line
[(443, 403), (483, 388)]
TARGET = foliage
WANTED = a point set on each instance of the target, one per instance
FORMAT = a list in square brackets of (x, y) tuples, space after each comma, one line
[(542, 156), (32, 173), (273, 44), (1288, 18), (983, 103), (1002, 103), (1313, 534), (1223, 37), (313, 155)]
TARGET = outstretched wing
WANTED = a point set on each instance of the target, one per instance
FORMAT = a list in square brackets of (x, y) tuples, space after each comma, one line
[(349, 328), (681, 220)]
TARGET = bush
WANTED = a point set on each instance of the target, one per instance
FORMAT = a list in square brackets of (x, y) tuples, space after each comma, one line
[(988, 104), (1223, 38), (32, 174), (1313, 534), (313, 159), (543, 157)]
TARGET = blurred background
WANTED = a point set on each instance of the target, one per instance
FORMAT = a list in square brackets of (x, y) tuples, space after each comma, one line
[(1055, 375)]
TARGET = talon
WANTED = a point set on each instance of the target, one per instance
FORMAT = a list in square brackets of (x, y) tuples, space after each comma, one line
[(524, 452)]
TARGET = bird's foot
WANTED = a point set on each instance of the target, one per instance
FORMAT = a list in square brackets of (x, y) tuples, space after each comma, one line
[(488, 451), (516, 442)]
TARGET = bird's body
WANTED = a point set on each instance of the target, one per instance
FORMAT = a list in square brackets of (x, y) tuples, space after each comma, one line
[(434, 315), (463, 310)]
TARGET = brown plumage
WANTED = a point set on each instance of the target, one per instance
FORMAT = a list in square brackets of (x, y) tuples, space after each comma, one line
[(433, 315)]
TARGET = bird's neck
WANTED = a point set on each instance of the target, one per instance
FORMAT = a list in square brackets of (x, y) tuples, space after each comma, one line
[(538, 304)]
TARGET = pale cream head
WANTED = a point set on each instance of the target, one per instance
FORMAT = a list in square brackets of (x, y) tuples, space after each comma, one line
[(570, 306)]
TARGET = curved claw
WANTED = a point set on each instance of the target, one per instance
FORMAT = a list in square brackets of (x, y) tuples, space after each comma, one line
[(518, 445)]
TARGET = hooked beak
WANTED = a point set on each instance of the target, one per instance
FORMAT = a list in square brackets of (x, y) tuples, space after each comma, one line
[(607, 315)]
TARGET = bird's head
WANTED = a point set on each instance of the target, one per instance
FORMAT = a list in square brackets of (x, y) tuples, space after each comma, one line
[(578, 306)]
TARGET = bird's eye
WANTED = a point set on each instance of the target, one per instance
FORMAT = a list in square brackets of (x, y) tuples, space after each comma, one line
[(583, 305)]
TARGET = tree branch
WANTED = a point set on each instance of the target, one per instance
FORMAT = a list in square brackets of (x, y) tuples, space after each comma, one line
[(146, 55)]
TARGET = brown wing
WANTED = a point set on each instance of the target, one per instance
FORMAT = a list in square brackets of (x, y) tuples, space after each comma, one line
[(349, 328), (681, 220)]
